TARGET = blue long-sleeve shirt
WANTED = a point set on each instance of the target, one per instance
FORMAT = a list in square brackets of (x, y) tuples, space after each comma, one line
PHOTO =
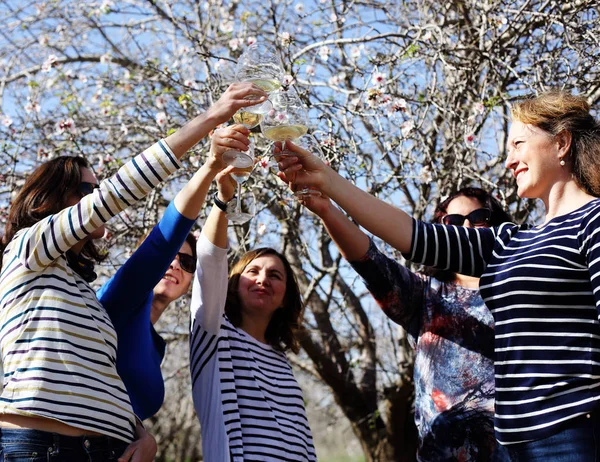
[(127, 298)]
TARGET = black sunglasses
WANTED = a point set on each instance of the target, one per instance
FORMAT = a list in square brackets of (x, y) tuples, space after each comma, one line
[(86, 188), (479, 217), (187, 262)]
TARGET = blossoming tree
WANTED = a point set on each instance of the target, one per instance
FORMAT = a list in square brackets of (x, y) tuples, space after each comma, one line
[(407, 99)]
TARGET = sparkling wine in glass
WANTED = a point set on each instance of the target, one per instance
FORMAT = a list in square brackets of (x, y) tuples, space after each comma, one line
[(287, 120), (311, 144)]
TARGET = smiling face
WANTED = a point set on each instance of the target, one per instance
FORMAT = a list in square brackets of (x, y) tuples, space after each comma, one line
[(175, 281), (262, 286), (534, 157)]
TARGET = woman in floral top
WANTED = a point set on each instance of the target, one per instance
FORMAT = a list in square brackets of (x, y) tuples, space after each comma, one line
[(448, 324)]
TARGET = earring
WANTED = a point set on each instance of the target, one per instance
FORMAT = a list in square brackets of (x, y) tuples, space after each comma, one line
[(562, 162)]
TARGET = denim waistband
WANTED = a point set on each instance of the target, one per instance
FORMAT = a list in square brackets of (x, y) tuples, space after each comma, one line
[(55, 441)]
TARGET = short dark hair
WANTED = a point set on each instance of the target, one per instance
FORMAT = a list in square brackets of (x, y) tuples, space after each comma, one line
[(282, 329), (45, 193)]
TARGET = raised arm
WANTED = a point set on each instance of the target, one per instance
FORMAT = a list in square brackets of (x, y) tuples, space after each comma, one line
[(126, 291), (39, 245), (398, 291), (379, 218)]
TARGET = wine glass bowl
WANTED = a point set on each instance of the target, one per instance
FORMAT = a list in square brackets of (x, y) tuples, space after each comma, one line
[(260, 64), (240, 159), (287, 120)]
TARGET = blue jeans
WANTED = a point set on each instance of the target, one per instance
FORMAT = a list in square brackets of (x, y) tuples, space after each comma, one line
[(578, 441), (18, 445)]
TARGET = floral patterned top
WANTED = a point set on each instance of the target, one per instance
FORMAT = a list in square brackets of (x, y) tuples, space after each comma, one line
[(452, 332)]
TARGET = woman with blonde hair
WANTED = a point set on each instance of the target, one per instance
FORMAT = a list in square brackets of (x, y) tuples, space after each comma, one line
[(542, 283)]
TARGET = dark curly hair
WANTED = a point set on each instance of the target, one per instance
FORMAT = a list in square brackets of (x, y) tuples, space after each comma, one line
[(282, 329)]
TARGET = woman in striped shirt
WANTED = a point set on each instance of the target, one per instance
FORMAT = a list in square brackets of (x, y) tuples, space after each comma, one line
[(541, 283), (247, 399), (62, 398)]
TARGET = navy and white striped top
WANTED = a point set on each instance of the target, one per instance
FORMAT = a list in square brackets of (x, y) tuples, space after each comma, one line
[(58, 344), (245, 394), (542, 285)]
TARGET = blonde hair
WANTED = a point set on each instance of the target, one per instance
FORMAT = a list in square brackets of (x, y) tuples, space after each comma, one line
[(556, 111)]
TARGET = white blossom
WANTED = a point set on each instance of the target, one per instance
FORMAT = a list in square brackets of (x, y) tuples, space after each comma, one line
[(310, 70), (406, 128), (324, 52), (285, 38), (161, 119), (299, 8), (6, 120), (234, 44), (227, 26)]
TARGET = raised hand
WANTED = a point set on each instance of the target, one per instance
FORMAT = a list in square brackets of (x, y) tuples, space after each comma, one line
[(237, 96), (226, 184), (226, 139), (302, 169)]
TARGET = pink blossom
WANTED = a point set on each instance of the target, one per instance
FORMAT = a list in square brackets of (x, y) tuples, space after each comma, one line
[(44, 40), (264, 163), (160, 102), (373, 97), (281, 117), (356, 51), (234, 44), (310, 70), (32, 106), (470, 139), (398, 105), (478, 108), (324, 52), (379, 79), (250, 40), (188, 83), (226, 26), (161, 119), (6, 120), (426, 36), (262, 228), (82, 78), (288, 80), (50, 61), (66, 125), (406, 128), (285, 38), (105, 58)]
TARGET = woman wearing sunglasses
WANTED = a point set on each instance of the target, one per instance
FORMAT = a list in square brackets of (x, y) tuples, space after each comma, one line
[(542, 283), (245, 394), (62, 398), (448, 325), (159, 272)]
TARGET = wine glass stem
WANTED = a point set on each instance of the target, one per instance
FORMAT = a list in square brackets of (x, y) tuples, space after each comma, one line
[(238, 206), (283, 146)]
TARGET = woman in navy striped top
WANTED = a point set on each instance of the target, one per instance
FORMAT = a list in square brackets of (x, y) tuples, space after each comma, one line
[(542, 283)]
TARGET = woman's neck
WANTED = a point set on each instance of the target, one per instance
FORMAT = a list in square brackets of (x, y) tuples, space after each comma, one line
[(564, 198), (255, 327)]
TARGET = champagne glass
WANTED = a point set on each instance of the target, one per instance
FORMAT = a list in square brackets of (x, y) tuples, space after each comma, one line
[(311, 144), (260, 64), (287, 120)]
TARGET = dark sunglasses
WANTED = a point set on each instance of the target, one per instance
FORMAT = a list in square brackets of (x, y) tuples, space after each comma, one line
[(187, 262), (86, 188), (479, 217)]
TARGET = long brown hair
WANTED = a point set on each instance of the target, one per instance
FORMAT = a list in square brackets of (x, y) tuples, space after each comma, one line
[(556, 111), (281, 331), (45, 193)]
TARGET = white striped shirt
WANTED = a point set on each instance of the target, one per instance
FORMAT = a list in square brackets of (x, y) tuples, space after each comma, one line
[(247, 399), (542, 285), (58, 343)]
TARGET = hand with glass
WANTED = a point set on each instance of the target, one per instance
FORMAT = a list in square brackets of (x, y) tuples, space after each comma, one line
[(223, 141)]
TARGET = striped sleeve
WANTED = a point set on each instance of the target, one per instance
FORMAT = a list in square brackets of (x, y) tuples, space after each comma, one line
[(455, 248), (589, 238), (39, 245)]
